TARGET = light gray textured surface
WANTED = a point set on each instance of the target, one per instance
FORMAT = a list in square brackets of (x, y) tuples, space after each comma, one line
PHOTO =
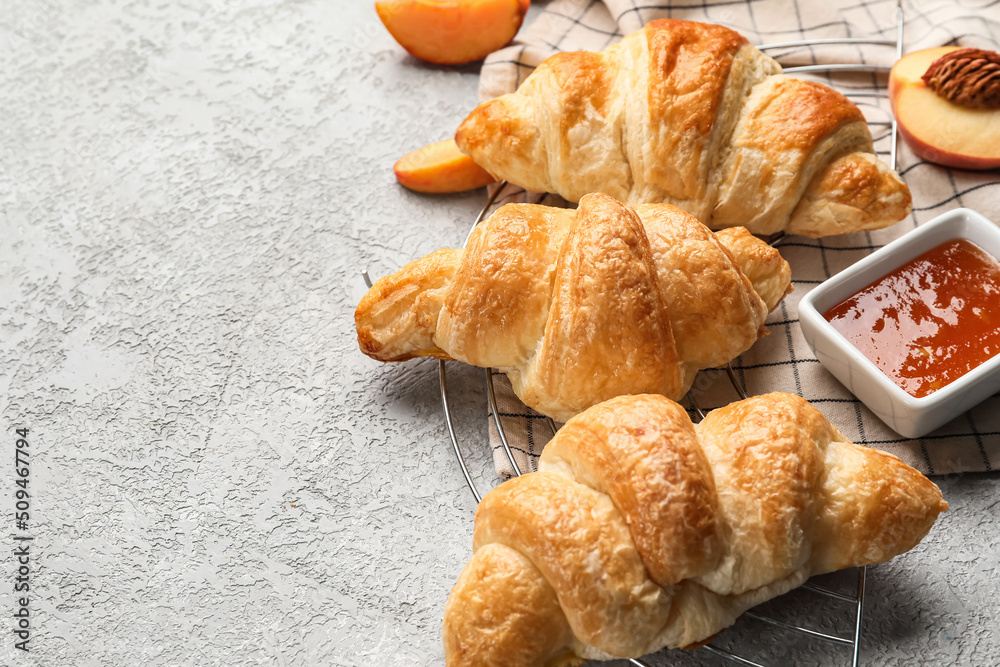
[(219, 477)]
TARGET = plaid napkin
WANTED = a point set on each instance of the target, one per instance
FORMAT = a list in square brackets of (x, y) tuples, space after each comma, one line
[(782, 360)]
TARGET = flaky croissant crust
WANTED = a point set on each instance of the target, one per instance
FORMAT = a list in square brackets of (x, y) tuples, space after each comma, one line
[(692, 115), (579, 306), (642, 531)]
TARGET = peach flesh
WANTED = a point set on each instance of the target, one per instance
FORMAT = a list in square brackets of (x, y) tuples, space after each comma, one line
[(440, 168)]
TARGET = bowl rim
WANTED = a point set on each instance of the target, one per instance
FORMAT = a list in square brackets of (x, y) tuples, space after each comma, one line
[(898, 252)]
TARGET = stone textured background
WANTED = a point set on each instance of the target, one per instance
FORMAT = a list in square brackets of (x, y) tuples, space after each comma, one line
[(188, 193)]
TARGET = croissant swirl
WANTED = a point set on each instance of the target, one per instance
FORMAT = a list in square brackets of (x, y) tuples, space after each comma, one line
[(579, 306), (642, 531), (692, 115)]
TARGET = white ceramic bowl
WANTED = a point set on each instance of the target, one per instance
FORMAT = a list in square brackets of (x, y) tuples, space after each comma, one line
[(909, 416)]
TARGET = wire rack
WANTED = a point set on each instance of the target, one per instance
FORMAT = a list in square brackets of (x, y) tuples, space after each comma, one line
[(854, 602)]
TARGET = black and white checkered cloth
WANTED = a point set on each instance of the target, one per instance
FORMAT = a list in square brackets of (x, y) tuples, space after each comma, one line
[(782, 360)]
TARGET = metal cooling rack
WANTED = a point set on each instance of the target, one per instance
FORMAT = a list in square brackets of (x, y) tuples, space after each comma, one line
[(856, 601)]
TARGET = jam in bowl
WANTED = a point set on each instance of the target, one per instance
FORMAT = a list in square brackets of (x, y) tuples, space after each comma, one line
[(913, 330)]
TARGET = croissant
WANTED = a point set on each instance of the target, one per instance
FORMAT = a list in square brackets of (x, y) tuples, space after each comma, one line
[(579, 306), (690, 114), (642, 531)]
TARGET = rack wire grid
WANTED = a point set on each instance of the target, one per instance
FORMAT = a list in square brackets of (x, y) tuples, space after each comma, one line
[(855, 602)]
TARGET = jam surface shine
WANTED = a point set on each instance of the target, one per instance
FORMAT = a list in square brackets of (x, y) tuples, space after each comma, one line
[(930, 321)]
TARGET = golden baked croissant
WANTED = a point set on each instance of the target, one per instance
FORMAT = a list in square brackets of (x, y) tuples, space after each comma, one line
[(642, 531), (692, 115), (579, 306)]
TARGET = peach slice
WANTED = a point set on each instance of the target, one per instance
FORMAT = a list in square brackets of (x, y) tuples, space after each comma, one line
[(452, 32), (939, 130), (440, 168)]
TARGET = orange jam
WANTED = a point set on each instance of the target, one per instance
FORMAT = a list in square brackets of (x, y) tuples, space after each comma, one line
[(930, 321)]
